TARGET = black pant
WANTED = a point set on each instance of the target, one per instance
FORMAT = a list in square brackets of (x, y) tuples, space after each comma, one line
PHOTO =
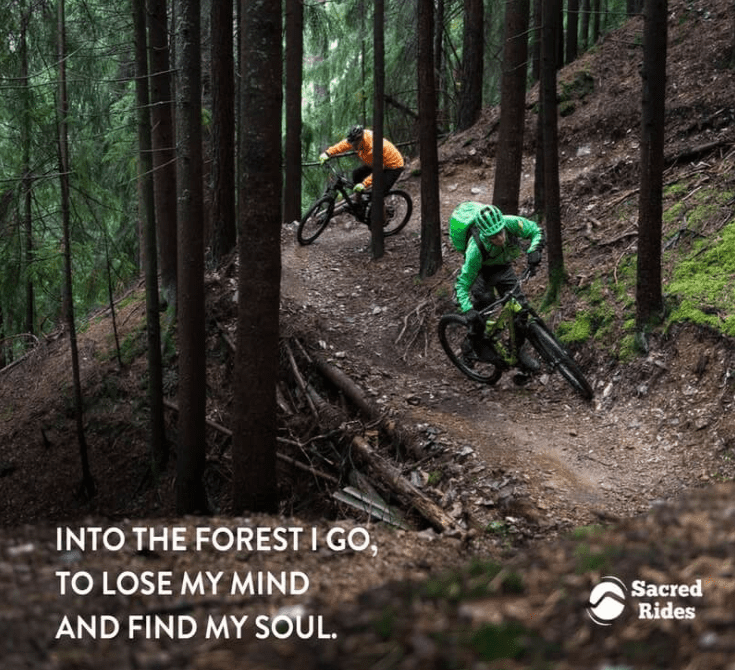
[(390, 176), (493, 279)]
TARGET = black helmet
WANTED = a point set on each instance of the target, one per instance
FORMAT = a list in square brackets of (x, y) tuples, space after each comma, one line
[(354, 134)]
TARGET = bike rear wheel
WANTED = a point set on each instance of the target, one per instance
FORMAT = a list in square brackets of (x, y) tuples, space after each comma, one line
[(315, 220), (557, 358), (397, 207), (454, 338)]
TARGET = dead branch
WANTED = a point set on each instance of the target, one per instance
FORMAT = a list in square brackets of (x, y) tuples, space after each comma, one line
[(18, 361), (628, 233), (300, 379), (367, 409), (212, 424), (226, 336), (420, 312), (307, 468), (286, 459), (406, 492), (624, 196), (695, 152)]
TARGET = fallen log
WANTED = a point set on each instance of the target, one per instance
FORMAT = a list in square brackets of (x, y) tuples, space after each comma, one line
[(348, 387), (695, 152), (367, 409), (389, 476), (409, 495)]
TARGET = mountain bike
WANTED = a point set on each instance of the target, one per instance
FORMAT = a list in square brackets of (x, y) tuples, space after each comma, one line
[(397, 205), (485, 356)]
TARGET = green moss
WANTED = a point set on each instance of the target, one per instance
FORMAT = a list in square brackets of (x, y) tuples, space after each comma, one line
[(385, 624), (476, 580), (132, 346), (701, 285), (700, 216), (567, 108), (579, 330), (596, 319), (578, 89), (675, 190), (595, 560), (435, 477), (587, 532), (500, 641), (628, 348), (673, 213)]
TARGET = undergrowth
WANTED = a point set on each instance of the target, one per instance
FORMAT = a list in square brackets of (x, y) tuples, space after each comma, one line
[(698, 271), (701, 284)]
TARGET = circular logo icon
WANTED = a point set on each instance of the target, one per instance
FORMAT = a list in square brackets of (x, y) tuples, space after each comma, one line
[(607, 601)]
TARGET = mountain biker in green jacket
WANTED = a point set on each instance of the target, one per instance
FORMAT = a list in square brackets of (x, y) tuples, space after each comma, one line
[(488, 269)]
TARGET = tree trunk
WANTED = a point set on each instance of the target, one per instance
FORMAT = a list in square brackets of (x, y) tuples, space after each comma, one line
[(294, 76), (649, 300), (223, 215), (536, 43), (259, 242), (377, 243), (27, 183), (470, 103), (431, 250), (585, 28), (190, 458), (550, 142), (596, 20), (87, 485), (157, 439), (442, 117), (164, 153), (572, 42), (509, 156)]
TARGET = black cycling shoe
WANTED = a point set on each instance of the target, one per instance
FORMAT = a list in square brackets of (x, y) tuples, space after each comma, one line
[(468, 353), (527, 362), (483, 349)]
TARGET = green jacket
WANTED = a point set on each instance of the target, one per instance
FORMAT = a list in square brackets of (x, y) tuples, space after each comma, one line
[(515, 227)]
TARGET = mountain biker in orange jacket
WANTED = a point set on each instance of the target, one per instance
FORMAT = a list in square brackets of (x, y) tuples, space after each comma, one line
[(360, 140), (487, 268)]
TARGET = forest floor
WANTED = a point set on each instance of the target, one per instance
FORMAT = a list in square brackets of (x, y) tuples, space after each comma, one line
[(550, 493)]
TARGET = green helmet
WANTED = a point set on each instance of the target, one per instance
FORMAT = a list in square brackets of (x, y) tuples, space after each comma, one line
[(489, 221)]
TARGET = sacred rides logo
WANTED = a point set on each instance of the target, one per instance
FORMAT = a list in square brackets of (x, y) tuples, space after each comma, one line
[(648, 600)]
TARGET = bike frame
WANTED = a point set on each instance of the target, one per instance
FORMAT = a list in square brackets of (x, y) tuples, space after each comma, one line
[(339, 184), (510, 309)]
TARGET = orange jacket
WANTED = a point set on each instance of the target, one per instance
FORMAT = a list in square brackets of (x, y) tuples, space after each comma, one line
[(392, 159)]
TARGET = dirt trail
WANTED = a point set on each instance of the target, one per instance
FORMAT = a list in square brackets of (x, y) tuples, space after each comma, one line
[(568, 462)]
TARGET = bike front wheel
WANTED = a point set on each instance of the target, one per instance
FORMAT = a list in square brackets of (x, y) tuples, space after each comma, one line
[(454, 338), (557, 358), (315, 220), (397, 208)]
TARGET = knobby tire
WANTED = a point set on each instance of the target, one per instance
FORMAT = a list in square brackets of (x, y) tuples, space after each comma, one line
[(557, 358), (315, 220), (453, 337), (399, 207)]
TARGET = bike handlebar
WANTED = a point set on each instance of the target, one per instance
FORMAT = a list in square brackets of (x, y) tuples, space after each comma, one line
[(327, 165)]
